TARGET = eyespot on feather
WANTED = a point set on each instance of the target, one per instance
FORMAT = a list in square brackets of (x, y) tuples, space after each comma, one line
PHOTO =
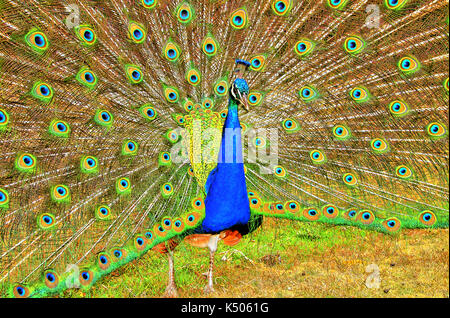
[(4, 199), (103, 261), (304, 47), (51, 279), (103, 212), (148, 112), (37, 40), (4, 120), (427, 218), (281, 7), (86, 34), (103, 118), (408, 65), (89, 164), (86, 277), (365, 217), (395, 4), (292, 206), (239, 19), (392, 224), (198, 204), (136, 32), (317, 157), (46, 221), (311, 214), (123, 186), (59, 128), (134, 74), (398, 108), (25, 163), (330, 211), (210, 47), (148, 4), (337, 4), (379, 145), (354, 45)]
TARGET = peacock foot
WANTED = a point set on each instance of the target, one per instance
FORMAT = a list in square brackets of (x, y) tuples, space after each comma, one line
[(171, 291), (209, 289)]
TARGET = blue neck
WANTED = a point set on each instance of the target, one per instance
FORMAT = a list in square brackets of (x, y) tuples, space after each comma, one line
[(232, 120)]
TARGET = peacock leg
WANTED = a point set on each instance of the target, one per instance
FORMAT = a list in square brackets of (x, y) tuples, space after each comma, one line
[(171, 290), (212, 245)]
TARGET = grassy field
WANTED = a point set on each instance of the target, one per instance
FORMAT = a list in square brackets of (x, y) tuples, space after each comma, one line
[(288, 259)]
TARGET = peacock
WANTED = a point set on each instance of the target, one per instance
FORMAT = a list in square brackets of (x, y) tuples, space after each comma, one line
[(133, 126)]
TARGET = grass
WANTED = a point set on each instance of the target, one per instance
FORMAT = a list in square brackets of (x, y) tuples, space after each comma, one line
[(289, 259)]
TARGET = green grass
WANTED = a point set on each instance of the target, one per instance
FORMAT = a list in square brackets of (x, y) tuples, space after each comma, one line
[(290, 259)]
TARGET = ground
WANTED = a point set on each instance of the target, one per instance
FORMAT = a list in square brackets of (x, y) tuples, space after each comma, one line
[(290, 259)]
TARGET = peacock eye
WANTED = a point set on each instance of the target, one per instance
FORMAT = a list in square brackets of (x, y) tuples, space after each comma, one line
[(238, 19), (20, 291), (360, 94), (3, 117), (134, 74), (27, 160), (172, 51), (3, 196), (103, 118), (88, 35), (149, 4), (47, 219), (379, 145), (354, 45), (281, 7), (317, 156), (308, 93), (436, 130), (395, 4), (337, 4), (408, 65), (50, 277)]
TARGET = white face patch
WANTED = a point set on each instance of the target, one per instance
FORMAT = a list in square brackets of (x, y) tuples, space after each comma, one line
[(234, 91)]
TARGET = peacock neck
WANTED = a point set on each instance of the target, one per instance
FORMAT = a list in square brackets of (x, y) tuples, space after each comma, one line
[(232, 120)]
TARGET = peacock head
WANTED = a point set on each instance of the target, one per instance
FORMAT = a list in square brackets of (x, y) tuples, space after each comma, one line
[(239, 89)]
